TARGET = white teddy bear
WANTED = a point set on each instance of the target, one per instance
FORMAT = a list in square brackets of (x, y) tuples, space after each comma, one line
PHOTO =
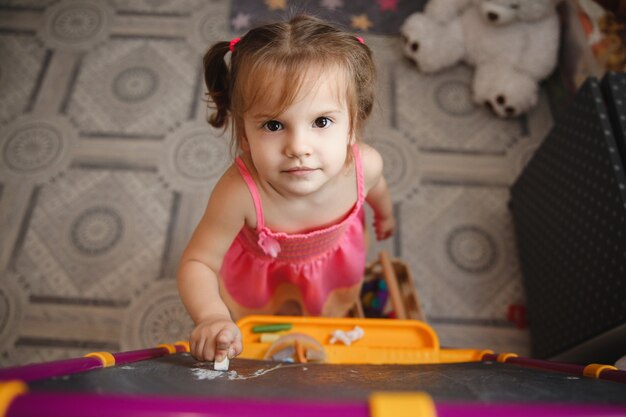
[(512, 44)]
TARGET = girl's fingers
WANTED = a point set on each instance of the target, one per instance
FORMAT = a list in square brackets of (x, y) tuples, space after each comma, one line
[(220, 354), (208, 353), (222, 344), (196, 350), (236, 347), (204, 347), (224, 339)]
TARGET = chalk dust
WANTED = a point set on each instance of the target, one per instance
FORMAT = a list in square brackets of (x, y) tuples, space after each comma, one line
[(201, 373)]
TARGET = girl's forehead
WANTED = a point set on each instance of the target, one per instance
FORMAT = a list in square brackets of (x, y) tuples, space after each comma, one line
[(275, 93)]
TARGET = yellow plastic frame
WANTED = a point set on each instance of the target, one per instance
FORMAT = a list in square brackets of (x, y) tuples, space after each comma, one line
[(384, 342)]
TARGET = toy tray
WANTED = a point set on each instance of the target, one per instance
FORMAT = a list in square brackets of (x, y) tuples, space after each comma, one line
[(384, 342)]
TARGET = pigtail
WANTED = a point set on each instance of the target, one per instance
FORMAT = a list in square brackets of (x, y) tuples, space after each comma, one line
[(217, 80), (363, 70)]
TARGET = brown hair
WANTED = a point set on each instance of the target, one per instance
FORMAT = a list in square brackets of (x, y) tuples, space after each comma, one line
[(285, 51)]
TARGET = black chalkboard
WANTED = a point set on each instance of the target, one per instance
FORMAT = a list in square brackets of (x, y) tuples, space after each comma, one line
[(481, 382)]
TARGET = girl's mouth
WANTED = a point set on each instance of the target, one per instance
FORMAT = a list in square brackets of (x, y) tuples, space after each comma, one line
[(299, 170)]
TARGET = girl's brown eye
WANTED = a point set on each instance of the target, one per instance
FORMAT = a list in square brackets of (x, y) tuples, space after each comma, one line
[(322, 122), (273, 125)]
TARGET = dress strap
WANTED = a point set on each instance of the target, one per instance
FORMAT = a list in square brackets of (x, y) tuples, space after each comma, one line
[(247, 177), (360, 179)]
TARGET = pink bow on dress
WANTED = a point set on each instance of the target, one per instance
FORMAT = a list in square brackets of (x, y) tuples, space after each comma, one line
[(269, 245)]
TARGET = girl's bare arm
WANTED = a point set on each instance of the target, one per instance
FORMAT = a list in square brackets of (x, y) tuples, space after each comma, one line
[(215, 334), (377, 192)]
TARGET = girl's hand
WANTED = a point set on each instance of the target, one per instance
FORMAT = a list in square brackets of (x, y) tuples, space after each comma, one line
[(215, 338), (384, 226)]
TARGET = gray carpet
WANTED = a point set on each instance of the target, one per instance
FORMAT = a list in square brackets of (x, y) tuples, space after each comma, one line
[(107, 164)]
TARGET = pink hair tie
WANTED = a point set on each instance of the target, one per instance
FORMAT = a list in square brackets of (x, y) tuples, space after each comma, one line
[(360, 39), (233, 43)]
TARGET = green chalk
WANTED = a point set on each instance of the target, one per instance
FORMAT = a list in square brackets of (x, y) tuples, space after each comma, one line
[(268, 328)]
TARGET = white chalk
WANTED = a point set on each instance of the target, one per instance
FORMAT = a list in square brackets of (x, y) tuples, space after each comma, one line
[(221, 365), (347, 337)]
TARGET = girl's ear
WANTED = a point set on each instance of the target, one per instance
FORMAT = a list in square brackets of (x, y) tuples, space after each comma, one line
[(244, 145)]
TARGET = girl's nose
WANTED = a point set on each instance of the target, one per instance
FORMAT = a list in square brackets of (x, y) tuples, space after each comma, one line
[(297, 145)]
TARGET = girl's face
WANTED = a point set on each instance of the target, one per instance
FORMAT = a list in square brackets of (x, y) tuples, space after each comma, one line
[(304, 148)]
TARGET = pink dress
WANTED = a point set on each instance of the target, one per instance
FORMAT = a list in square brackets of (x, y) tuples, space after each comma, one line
[(320, 270)]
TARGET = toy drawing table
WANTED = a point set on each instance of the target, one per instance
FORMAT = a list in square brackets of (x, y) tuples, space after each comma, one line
[(172, 382)]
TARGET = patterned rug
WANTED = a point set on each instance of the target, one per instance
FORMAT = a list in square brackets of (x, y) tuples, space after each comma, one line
[(107, 164)]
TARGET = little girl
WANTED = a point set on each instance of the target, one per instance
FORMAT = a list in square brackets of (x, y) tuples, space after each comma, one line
[(283, 232)]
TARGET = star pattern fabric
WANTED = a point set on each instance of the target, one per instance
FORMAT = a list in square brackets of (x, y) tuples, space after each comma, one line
[(332, 4), (382, 17), (361, 22), (240, 22), (388, 5), (276, 4)]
